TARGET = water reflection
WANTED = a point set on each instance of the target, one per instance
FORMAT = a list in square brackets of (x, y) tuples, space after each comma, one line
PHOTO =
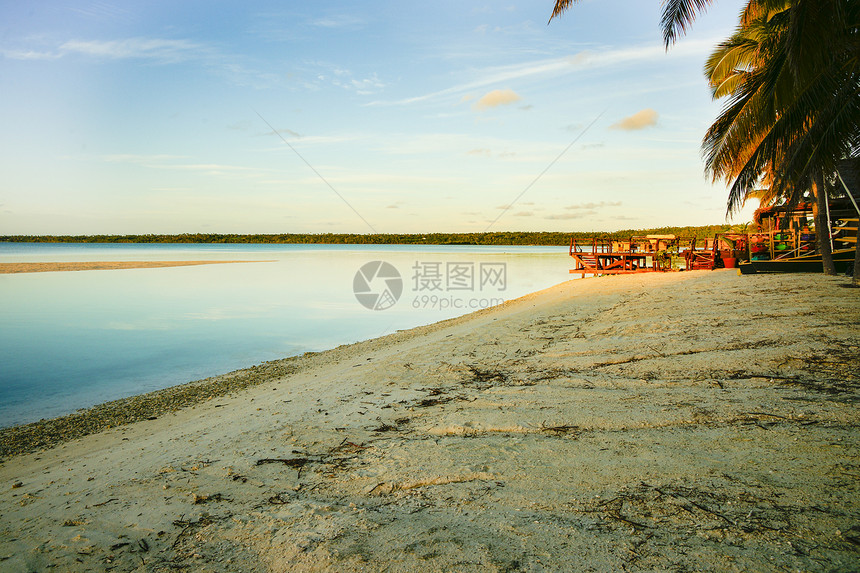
[(73, 339)]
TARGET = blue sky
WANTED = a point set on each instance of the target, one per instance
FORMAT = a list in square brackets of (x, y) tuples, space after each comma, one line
[(153, 117)]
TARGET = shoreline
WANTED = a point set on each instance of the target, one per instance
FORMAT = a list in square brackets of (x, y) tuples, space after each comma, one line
[(24, 267), (697, 420), (48, 433)]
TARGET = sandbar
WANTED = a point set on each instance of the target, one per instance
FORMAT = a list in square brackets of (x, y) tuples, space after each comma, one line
[(694, 421), (24, 267)]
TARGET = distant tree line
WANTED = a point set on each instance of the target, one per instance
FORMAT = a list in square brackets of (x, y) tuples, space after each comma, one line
[(499, 238)]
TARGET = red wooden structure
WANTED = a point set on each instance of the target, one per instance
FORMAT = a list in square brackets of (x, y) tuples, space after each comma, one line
[(603, 257), (702, 260)]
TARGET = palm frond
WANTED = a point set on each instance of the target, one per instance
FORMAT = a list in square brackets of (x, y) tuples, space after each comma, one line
[(817, 30), (677, 17), (561, 6), (728, 85), (762, 9), (734, 56), (831, 136), (790, 73)]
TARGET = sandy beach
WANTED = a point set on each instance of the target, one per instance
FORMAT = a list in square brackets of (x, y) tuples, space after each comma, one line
[(693, 421)]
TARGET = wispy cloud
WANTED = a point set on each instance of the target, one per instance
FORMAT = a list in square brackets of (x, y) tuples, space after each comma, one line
[(338, 21), (593, 205), (552, 67), (491, 76), (306, 140), (174, 162), (160, 49), (141, 159), (338, 76), (102, 11), (283, 131), (25, 54), (211, 167), (365, 86), (582, 210), (165, 51), (565, 216), (149, 48)]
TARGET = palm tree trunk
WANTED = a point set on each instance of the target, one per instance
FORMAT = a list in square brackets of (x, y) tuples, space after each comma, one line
[(822, 226)]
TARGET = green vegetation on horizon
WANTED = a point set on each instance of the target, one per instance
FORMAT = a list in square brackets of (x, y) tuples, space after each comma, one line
[(547, 238)]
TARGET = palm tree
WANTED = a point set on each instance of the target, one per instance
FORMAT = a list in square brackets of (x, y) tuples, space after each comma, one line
[(792, 76), (823, 48), (678, 15), (786, 119), (747, 143)]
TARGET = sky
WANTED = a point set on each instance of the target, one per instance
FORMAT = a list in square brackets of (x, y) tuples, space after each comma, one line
[(353, 117)]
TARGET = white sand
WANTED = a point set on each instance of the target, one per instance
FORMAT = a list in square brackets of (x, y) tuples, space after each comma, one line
[(687, 421)]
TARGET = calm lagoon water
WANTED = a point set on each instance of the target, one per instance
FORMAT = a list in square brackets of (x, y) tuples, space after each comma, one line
[(70, 340)]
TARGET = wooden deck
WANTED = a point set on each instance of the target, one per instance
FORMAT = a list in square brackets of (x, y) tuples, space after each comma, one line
[(603, 257), (650, 253)]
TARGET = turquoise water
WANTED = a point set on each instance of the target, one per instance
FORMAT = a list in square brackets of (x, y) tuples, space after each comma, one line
[(70, 340)]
